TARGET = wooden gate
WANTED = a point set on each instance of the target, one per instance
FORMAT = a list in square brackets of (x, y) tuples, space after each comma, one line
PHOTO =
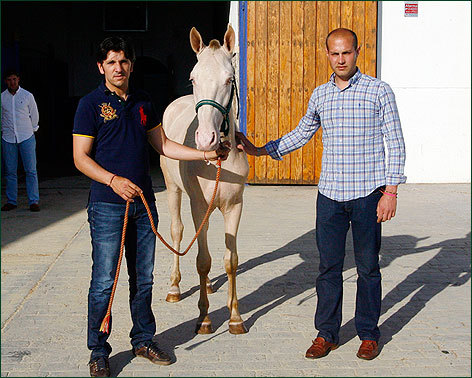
[(286, 60)]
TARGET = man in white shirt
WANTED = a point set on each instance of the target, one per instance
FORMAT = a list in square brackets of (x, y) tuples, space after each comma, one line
[(19, 123)]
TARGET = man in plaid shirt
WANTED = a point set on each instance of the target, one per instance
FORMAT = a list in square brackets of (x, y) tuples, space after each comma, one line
[(358, 186)]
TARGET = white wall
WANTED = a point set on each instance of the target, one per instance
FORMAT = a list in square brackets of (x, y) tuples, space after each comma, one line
[(426, 60)]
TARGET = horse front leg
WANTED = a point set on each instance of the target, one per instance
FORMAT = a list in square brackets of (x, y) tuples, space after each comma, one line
[(174, 198), (203, 267), (232, 216)]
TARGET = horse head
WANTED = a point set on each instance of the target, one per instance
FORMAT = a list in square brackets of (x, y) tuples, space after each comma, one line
[(212, 79)]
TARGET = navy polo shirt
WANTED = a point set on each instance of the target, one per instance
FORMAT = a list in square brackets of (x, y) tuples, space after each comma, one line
[(119, 129)]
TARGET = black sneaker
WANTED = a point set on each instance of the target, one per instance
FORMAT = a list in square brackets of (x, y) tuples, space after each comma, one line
[(100, 367), (153, 354)]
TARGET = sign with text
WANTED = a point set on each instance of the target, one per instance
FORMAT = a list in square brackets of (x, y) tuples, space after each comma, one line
[(411, 9)]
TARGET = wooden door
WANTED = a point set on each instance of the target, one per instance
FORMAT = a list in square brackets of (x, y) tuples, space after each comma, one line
[(286, 60)]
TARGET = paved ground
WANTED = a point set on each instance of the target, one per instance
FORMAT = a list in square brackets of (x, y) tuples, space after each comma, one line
[(425, 321)]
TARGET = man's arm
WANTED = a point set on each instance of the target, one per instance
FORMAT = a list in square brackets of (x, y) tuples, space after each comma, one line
[(168, 148), (34, 114), (82, 148), (392, 131), (295, 139)]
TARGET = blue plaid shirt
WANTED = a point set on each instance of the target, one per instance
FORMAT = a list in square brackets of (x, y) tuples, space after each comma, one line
[(355, 121)]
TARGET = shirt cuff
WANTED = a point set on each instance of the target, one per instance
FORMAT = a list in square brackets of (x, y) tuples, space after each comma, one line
[(272, 149), (395, 179), (35, 128)]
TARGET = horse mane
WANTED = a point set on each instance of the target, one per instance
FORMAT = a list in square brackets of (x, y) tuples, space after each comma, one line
[(214, 44)]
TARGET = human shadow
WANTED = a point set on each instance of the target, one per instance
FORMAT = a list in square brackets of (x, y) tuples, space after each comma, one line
[(449, 267), (119, 361)]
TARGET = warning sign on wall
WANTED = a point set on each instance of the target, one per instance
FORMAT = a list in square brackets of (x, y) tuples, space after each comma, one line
[(411, 9)]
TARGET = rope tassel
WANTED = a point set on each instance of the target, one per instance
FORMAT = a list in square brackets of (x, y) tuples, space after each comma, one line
[(105, 326)]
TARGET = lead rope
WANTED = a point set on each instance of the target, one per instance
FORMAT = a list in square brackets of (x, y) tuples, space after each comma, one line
[(105, 326)]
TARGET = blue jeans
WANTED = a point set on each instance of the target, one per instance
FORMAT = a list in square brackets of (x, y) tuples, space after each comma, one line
[(106, 224), (333, 220), (27, 150)]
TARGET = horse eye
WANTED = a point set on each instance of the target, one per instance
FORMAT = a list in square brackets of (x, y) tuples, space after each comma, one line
[(228, 81)]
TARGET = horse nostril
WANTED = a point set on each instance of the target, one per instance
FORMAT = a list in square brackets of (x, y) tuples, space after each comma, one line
[(213, 136)]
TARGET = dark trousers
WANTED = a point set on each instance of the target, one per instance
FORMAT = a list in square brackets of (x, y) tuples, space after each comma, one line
[(333, 220)]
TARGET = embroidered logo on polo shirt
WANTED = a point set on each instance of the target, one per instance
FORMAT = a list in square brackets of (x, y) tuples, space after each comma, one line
[(108, 113), (143, 116)]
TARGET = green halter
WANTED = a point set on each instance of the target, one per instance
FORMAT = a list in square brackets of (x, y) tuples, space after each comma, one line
[(224, 128)]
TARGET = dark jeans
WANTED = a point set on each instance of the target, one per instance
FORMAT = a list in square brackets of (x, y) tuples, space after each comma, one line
[(332, 224), (106, 225)]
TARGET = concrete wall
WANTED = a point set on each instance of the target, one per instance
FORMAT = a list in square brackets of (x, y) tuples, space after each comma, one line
[(426, 60)]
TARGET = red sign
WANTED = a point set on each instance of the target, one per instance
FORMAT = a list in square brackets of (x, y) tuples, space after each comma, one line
[(411, 9)]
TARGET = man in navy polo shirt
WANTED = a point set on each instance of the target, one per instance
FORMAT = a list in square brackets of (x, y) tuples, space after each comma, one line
[(111, 128)]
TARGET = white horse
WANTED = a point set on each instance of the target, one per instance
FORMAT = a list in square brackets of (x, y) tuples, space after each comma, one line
[(196, 120)]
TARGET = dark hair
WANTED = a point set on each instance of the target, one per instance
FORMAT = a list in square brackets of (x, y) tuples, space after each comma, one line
[(10, 72), (115, 44), (342, 30)]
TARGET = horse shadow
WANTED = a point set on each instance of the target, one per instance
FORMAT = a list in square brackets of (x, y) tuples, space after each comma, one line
[(302, 277)]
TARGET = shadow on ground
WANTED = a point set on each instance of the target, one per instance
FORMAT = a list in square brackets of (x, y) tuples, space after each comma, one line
[(452, 260)]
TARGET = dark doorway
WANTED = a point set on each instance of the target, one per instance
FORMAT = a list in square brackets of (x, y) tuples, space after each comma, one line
[(53, 45)]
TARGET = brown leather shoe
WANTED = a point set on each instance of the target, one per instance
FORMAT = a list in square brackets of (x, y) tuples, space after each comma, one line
[(153, 354), (368, 350), (99, 367), (320, 348), (34, 207), (8, 206)]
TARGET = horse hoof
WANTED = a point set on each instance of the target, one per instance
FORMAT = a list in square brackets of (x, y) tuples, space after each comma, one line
[(209, 288), (204, 329), (173, 297), (237, 328)]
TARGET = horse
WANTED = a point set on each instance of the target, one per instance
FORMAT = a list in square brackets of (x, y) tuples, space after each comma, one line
[(203, 120)]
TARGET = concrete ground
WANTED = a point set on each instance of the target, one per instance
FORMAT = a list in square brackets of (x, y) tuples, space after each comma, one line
[(425, 259)]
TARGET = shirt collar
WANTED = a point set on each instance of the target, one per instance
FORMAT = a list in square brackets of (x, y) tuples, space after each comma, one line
[(105, 89), (353, 80)]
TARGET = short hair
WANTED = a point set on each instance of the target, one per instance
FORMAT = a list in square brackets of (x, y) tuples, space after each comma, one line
[(335, 31), (11, 72), (115, 44)]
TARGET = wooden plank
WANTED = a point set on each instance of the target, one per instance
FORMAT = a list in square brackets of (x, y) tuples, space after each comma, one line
[(370, 48), (261, 89), (297, 85), (285, 77), (251, 59), (273, 84), (334, 22), (358, 28), (322, 71), (309, 49), (346, 14)]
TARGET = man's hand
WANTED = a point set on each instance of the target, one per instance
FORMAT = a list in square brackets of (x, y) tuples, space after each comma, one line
[(386, 208), (244, 144), (125, 188), (222, 151)]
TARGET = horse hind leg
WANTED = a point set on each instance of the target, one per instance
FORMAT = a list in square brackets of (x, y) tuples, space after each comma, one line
[(232, 217), (204, 325)]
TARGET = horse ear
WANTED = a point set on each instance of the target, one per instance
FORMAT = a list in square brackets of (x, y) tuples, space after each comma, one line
[(229, 39), (196, 40)]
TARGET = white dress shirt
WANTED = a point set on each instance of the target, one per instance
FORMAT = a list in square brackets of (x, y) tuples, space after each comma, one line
[(20, 116)]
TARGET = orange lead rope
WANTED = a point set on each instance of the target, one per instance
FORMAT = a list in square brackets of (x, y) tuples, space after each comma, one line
[(105, 327)]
